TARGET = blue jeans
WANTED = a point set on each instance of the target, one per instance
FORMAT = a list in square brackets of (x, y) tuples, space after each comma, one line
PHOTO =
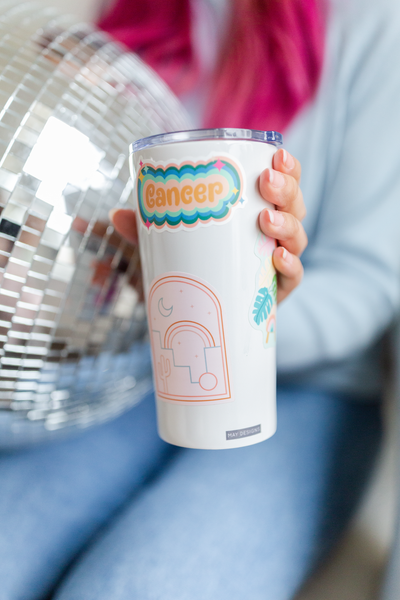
[(117, 514)]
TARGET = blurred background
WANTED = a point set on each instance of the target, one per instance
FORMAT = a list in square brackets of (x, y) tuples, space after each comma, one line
[(355, 570)]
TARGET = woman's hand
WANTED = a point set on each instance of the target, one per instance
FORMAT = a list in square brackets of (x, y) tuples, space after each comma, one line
[(124, 221), (280, 187)]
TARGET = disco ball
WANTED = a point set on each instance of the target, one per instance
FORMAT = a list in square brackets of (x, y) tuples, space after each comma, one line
[(72, 326)]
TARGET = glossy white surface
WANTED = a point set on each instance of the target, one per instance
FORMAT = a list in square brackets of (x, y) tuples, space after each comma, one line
[(222, 255)]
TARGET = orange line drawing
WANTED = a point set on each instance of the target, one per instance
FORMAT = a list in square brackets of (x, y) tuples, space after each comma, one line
[(164, 368), (190, 353), (202, 331)]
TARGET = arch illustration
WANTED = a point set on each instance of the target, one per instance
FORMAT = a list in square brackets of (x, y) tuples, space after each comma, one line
[(192, 326), (188, 345)]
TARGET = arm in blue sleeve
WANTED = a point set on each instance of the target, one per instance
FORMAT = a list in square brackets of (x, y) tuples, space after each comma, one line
[(350, 291)]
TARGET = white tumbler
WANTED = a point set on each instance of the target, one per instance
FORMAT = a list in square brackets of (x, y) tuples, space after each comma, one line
[(209, 283)]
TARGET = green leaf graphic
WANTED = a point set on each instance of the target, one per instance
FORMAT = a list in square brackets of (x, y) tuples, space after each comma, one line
[(262, 305)]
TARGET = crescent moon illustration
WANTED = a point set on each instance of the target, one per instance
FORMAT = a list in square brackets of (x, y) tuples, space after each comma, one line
[(165, 312)]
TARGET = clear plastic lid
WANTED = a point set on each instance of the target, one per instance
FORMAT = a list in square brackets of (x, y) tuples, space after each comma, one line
[(194, 135)]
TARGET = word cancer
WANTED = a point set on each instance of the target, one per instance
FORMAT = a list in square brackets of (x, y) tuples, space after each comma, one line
[(159, 195), (188, 194)]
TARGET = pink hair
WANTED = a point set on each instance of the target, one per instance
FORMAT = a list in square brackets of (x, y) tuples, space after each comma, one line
[(269, 67)]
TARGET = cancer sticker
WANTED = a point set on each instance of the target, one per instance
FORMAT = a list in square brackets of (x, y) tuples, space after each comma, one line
[(188, 344), (188, 194), (262, 313)]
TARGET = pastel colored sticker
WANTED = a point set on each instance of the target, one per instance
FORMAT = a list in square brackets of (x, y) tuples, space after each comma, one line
[(262, 313), (186, 323), (188, 194)]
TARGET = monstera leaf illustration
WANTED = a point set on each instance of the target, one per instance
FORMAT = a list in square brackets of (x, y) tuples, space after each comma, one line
[(262, 305)]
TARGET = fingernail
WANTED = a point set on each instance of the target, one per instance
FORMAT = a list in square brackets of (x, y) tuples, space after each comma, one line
[(276, 179), (288, 160), (276, 217), (111, 213), (287, 257)]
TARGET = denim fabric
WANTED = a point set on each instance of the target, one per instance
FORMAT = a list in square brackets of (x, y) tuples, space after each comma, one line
[(391, 584), (55, 496), (391, 587), (175, 524)]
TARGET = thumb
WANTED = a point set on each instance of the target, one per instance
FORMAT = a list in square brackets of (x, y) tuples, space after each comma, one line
[(124, 221)]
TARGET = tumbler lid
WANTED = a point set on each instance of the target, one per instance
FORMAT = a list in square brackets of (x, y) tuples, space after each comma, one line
[(194, 135)]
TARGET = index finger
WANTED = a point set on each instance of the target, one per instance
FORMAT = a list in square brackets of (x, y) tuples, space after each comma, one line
[(286, 163)]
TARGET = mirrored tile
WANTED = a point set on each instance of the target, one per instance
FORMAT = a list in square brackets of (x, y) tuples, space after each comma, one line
[(6, 315), (36, 283), (20, 150), (7, 301), (29, 182), (49, 99), (46, 253), (6, 133), (27, 136), (34, 123), (22, 196), (32, 363), (4, 258), (13, 355), (15, 341), (52, 301), (41, 209), (3, 148), (43, 268), (58, 285), (17, 269), (34, 84), (6, 244), (24, 95), (9, 228), (41, 110), (78, 89), (11, 119), (47, 316), (14, 213), (31, 298), (12, 285), (35, 223), (13, 163), (52, 238), (22, 253), (26, 310), (21, 63), (7, 86), (29, 239)]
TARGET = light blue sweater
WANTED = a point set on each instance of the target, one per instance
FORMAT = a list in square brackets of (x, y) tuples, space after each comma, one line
[(348, 142)]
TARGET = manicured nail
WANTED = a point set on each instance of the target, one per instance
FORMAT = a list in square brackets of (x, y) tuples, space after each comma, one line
[(287, 257), (276, 179), (276, 217), (288, 160)]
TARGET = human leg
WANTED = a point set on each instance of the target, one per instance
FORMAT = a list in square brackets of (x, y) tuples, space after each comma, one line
[(53, 497), (243, 523)]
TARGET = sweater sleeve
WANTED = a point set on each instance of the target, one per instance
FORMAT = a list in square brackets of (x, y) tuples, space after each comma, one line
[(350, 291)]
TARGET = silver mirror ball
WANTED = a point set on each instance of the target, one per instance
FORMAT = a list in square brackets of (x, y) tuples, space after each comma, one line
[(72, 324)]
